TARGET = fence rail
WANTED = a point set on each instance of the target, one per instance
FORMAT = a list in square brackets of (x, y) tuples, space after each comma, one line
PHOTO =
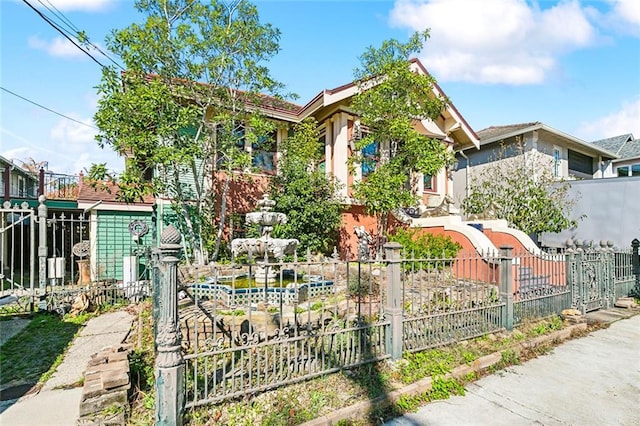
[(366, 311)]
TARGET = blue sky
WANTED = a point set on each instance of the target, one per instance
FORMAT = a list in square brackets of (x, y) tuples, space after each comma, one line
[(573, 65)]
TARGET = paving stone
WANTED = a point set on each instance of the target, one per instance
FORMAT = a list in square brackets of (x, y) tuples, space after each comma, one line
[(115, 379), (99, 403)]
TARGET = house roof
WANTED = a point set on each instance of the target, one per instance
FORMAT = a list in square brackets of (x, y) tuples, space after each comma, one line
[(458, 126), (625, 146), (106, 192), (23, 171), (630, 150), (493, 132), (496, 133)]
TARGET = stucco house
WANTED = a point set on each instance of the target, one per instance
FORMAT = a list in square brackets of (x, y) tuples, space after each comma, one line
[(628, 151), (338, 126), (568, 156)]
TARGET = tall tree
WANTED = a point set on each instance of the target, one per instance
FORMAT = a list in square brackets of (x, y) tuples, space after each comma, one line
[(520, 187), (304, 191), (185, 105), (391, 98)]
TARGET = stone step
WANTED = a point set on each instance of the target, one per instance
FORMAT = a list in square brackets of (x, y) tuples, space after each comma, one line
[(625, 302)]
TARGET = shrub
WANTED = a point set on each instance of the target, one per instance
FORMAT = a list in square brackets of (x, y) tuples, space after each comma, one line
[(441, 249)]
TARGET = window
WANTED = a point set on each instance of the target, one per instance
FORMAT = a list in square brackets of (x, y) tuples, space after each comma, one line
[(322, 160), (557, 157), (580, 163), (21, 187), (623, 171), (630, 170), (370, 157), (428, 182), (263, 153)]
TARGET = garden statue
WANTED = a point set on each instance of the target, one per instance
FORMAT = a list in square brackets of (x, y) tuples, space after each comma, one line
[(364, 242)]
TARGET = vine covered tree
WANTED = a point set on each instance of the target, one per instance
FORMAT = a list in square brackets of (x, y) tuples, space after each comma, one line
[(183, 107), (520, 187), (391, 98), (305, 192)]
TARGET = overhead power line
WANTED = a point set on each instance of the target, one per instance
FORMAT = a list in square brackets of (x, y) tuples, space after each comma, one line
[(48, 109), (54, 26), (74, 31)]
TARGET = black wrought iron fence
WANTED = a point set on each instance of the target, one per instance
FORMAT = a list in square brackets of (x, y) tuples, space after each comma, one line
[(242, 335)]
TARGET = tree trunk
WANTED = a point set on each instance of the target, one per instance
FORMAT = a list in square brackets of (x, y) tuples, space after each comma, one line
[(223, 216)]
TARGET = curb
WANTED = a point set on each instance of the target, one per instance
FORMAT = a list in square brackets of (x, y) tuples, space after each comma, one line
[(364, 408)]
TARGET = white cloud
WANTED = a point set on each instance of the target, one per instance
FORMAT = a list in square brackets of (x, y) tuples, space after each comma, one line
[(625, 120), (67, 131), (623, 17), (81, 5), (628, 10), (78, 140), (59, 47), (495, 41)]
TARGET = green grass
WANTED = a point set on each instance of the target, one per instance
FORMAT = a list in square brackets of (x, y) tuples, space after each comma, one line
[(33, 354)]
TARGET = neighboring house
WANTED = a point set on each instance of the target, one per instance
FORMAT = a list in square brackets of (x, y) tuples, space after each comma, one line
[(608, 209), (568, 156), (16, 183), (116, 251), (628, 151)]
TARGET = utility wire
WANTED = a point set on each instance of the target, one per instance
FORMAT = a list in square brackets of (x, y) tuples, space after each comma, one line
[(74, 31), (63, 33), (48, 109)]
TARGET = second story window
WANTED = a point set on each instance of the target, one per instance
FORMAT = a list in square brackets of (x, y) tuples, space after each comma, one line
[(370, 158), (263, 153)]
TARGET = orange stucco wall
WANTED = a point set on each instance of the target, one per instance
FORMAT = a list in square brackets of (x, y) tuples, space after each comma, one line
[(554, 270), (469, 265)]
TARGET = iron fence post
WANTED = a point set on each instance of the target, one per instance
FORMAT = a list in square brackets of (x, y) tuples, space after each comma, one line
[(169, 366), (393, 300), (42, 244), (582, 291), (506, 290), (609, 275), (635, 261), (570, 276)]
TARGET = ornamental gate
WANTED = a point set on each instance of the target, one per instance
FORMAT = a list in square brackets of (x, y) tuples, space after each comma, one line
[(18, 257), (599, 274)]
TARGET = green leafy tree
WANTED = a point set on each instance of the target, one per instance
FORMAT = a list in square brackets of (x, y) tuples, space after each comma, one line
[(305, 193), (184, 106), (391, 98), (520, 187)]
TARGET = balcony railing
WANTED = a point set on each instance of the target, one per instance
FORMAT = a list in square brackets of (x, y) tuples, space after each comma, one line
[(59, 186)]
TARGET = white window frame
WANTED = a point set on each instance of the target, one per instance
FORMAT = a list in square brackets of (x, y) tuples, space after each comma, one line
[(557, 161)]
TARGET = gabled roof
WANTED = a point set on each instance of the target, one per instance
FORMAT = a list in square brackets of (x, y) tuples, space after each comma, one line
[(497, 133), (625, 146), (630, 150), (493, 132), (458, 125)]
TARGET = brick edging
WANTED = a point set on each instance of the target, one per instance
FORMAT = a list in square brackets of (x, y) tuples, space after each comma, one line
[(107, 381)]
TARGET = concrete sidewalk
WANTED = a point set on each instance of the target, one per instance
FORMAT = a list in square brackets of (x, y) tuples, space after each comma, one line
[(57, 406), (594, 380)]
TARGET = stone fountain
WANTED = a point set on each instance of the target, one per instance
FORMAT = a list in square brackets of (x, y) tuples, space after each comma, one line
[(266, 249)]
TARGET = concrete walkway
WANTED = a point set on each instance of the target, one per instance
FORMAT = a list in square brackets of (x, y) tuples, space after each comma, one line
[(594, 380), (54, 405)]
